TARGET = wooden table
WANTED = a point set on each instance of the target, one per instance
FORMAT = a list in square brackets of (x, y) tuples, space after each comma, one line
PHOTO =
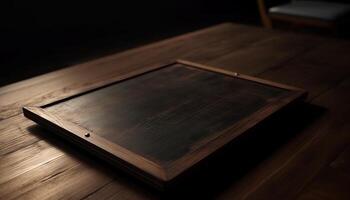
[(303, 156)]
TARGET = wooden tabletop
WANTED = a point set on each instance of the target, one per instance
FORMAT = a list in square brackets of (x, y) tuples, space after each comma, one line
[(305, 155)]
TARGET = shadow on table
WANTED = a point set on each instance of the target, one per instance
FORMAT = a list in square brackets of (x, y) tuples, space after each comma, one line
[(222, 169)]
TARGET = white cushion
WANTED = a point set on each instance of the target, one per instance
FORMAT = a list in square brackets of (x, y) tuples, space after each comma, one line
[(313, 9)]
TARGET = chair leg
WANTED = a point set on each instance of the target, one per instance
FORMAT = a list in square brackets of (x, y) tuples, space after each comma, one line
[(267, 23), (265, 19)]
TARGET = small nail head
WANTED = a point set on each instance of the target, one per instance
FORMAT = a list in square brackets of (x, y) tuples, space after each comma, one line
[(87, 134), (236, 74)]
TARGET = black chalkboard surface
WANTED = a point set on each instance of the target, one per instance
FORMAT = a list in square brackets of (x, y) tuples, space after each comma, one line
[(158, 123)]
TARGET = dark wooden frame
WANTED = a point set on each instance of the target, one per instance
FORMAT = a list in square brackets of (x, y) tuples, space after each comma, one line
[(141, 167)]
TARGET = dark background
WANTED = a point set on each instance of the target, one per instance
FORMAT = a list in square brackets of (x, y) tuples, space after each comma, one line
[(42, 36)]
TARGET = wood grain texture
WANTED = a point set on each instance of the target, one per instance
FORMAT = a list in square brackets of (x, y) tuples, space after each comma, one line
[(298, 166), (333, 180)]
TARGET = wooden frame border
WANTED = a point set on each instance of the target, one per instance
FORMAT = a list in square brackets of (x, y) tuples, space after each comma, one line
[(139, 166)]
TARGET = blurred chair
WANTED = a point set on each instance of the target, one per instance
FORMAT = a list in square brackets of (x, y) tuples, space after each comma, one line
[(304, 12)]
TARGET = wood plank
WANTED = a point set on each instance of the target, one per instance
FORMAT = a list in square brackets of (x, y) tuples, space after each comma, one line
[(117, 190), (14, 136), (26, 159), (332, 182), (47, 165), (34, 178), (63, 178), (316, 79), (317, 70), (331, 52), (41, 160), (342, 162), (329, 184), (273, 52)]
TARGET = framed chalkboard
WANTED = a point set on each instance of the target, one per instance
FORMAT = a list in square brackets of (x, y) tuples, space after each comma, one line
[(160, 121)]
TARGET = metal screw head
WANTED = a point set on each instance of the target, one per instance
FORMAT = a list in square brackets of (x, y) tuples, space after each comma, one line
[(236, 74), (87, 134)]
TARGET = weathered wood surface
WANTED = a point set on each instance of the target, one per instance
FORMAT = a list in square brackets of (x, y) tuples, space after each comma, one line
[(307, 160)]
